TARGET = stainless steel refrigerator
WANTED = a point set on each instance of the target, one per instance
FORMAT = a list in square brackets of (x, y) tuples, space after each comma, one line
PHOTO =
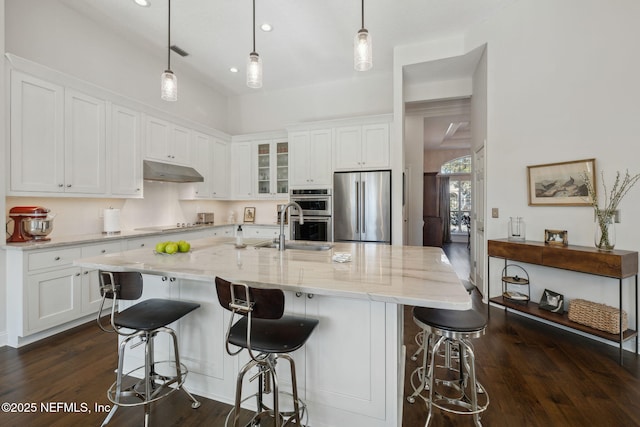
[(362, 206)]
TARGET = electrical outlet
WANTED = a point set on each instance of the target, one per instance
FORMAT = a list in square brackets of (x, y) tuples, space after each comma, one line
[(494, 213)]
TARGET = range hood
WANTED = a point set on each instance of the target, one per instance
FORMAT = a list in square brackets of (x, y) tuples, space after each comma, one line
[(156, 171)]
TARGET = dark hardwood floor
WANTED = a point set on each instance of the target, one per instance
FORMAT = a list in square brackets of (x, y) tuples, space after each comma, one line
[(535, 374)]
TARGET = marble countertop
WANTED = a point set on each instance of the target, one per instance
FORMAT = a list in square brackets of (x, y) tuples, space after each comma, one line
[(61, 241), (411, 275)]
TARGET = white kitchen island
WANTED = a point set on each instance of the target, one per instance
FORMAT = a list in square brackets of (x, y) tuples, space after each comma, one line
[(350, 372)]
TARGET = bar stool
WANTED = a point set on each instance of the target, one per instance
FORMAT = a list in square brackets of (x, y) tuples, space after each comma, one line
[(268, 336), (144, 320), (419, 338), (451, 386)]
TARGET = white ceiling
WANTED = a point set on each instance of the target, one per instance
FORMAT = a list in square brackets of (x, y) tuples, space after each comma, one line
[(311, 41)]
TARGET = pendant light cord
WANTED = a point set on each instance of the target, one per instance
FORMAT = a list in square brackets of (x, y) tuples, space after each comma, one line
[(169, 38), (362, 13), (254, 26)]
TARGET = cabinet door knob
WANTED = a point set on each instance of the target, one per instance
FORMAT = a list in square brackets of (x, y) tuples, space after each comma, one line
[(77, 274), (57, 258), (310, 296), (68, 185), (60, 185), (298, 294), (172, 279), (164, 278), (103, 251), (86, 272)]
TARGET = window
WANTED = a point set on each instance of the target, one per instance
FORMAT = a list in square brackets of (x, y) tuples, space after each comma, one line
[(459, 171), (459, 165)]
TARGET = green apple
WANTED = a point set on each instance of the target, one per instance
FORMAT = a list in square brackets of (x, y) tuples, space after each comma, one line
[(184, 246), (160, 247), (171, 248)]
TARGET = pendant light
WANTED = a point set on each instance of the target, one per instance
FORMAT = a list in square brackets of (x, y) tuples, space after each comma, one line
[(362, 52), (169, 81), (254, 63)]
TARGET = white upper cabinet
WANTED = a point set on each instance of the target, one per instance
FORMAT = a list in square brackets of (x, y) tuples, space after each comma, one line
[(201, 150), (37, 135), (272, 168), (242, 170), (58, 139), (310, 164), (167, 142), (211, 160), (362, 147), (85, 149), (220, 170), (125, 152)]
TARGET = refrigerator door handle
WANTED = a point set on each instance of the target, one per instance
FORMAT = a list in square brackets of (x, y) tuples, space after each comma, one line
[(357, 210), (363, 201)]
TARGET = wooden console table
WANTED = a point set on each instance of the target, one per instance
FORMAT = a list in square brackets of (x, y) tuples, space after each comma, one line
[(617, 264)]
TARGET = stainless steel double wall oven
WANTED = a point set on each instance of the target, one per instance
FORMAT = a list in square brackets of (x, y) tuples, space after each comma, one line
[(316, 210)]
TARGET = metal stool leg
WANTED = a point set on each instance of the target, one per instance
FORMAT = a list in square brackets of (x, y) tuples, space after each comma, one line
[(432, 365), (470, 367), (176, 354), (421, 371)]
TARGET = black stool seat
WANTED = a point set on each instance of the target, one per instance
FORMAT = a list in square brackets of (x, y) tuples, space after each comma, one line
[(450, 320), (153, 313), (283, 335)]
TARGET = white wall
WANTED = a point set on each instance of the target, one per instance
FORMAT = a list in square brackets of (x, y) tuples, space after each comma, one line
[(49, 33), (562, 85), (434, 159), (365, 94)]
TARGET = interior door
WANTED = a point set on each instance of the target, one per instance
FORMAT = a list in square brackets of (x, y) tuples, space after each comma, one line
[(477, 244)]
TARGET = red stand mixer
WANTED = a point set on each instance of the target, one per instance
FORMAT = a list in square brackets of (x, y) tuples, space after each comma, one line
[(22, 215)]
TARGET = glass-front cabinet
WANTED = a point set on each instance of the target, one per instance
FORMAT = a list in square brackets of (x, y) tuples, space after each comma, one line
[(273, 169)]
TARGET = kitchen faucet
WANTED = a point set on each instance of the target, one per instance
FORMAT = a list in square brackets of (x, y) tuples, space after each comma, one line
[(281, 242)]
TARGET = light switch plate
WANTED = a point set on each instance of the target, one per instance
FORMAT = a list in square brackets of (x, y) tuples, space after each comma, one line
[(494, 213)]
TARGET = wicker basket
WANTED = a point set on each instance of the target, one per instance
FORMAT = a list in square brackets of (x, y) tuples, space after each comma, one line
[(597, 316)]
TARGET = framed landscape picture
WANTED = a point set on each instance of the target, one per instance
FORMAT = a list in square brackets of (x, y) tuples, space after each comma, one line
[(560, 184)]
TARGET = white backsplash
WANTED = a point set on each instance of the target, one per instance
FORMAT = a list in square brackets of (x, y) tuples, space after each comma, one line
[(160, 206)]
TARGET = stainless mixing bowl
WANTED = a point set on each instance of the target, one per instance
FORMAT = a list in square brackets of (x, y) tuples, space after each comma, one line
[(38, 228)]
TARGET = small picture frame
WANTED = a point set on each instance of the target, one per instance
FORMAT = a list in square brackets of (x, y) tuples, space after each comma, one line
[(552, 301), (249, 215), (556, 237)]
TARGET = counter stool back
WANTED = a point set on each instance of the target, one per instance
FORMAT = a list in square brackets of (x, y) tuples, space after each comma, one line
[(144, 320), (268, 335)]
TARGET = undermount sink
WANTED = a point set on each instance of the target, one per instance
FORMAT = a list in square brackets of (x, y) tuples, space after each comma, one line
[(305, 246)]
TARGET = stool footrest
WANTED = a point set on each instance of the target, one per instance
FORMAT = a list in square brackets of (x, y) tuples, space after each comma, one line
[(285, 416), (162, 385)]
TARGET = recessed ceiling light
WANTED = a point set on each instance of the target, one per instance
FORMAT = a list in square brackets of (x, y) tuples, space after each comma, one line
[(143, 3), (233, 69), (266, 27)]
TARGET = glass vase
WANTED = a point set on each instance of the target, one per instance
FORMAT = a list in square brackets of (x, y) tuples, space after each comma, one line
[(605, 232)]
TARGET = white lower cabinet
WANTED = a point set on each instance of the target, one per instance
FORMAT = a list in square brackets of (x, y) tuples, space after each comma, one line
[(50, 292), (53, 298), (262, 232)]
